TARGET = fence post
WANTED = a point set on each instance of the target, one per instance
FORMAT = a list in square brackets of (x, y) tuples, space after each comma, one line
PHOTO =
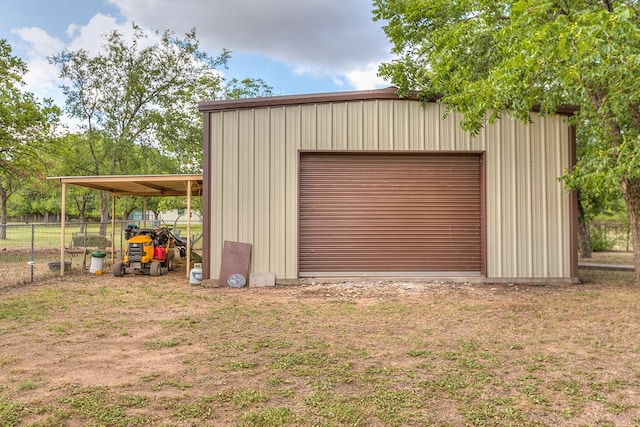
[(32, 261)]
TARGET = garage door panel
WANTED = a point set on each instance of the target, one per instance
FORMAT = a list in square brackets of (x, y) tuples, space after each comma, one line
[(373, 213)]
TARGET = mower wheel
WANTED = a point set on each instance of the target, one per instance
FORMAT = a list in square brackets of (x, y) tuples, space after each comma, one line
[(170, 261), (154, 269), (118, 269)]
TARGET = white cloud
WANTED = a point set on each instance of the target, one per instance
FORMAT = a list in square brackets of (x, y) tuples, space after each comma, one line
[(90, 37), (318, 37), (330, 39), (39, 42), (42, 77), (366, 78)]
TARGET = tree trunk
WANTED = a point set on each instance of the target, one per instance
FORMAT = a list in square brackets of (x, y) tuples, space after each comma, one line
[(81, 205), (104, 212), (83, 222), (3, 216), (584, 239), (631, 194)]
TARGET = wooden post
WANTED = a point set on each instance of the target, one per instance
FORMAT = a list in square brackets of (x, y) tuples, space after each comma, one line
[(144, 212), (62, 227), (188, 226), (113, 228)]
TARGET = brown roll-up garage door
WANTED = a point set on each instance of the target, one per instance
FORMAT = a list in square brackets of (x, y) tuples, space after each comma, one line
[(388, 213)]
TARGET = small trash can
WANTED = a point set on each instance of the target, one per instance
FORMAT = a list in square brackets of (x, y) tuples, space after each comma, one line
[(97, 260), (195, 275)]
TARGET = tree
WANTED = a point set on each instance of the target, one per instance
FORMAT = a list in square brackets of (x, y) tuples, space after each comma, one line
[(25, 125), (247, 88), (485, 57), (37, 197), (71, 154), (136, 95), (593, 201), (137, 102), (189, 122)]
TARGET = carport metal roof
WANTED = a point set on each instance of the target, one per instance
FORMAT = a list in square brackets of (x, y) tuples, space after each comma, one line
[(133, 185), (138, 185)]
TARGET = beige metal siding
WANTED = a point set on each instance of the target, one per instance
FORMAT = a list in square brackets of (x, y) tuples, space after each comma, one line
[(254, 174), (528, 223), (246, 178)]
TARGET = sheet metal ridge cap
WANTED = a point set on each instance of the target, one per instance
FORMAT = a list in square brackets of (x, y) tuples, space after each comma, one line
[(343, 96), (300, 99)]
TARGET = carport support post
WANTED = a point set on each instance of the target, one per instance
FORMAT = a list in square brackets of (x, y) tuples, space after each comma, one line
[(113, 227), (144, 212), (62, 227), (188, 226)]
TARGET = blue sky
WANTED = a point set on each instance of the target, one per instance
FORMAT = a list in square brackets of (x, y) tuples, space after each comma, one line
[(296, 46)]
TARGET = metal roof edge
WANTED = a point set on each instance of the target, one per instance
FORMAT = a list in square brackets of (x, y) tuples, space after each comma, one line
[(125, 177), (328, 97), (300, 99)]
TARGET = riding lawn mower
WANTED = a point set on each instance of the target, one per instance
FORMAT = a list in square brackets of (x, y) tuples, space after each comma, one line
[(149, 251)]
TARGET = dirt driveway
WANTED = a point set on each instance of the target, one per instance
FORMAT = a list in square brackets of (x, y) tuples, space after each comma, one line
[(99, 350)]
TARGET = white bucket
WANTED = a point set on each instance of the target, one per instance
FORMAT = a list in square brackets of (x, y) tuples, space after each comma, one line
[(97, 261), (195, 275)]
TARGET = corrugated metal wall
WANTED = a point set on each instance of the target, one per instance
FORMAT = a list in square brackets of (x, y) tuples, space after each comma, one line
[(254, 172)]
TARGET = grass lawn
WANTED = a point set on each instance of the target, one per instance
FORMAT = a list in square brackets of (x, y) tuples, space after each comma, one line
[(143, 351)]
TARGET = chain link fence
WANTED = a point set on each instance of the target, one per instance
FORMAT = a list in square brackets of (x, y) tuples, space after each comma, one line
[(610, 235), (31, 252)]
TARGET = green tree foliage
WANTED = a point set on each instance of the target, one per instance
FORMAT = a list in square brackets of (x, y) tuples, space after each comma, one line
[(136, 101), (485, 57), (247, 88), (25, 126), (137, 104), (134, 91)]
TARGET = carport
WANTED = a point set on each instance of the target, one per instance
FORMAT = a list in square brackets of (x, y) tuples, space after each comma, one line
[(144, 186)]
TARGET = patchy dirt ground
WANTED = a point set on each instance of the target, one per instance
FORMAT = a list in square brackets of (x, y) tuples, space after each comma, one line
[(158, 351)]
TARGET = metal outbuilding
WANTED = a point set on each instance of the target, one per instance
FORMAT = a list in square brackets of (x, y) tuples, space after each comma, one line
[(366, 184)]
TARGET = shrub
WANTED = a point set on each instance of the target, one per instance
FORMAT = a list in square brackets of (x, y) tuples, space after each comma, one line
[(92, 241)]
